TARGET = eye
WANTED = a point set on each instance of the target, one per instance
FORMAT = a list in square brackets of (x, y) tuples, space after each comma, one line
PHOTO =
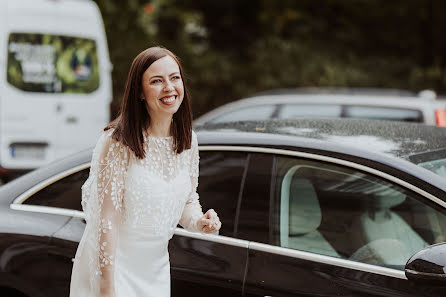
[(155, 81), (176, 77)]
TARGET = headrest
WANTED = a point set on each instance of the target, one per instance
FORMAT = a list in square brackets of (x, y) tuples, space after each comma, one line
[(304, 211), (300, 212), (386, 198)]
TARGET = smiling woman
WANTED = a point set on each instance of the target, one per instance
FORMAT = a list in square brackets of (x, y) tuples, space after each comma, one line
[(163, 91), (142, 183)]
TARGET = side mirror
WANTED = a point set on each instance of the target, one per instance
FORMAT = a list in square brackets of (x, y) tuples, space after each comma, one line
[(428, 266)]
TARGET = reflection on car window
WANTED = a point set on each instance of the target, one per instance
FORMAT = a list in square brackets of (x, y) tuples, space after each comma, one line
[(65, 193), (434, 161), (383, 113), (339, 212), (261, 112), (289, 111), (48, 63), (437, 166), (219, 185)]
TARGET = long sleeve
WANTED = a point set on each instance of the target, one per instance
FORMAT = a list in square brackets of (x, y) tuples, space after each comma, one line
[(192, 209), (104, 192)]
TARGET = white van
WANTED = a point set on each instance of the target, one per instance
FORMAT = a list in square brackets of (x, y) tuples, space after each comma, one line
[(55, 81)]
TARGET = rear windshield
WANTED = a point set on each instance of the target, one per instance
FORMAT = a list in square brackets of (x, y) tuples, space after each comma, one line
[(434, 161), (49, 63)]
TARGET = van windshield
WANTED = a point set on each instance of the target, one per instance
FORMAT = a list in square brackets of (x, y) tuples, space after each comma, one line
[(49, 63)]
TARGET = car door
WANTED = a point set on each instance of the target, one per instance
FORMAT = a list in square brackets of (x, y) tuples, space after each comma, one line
[(335, 230), (61, 198), (213, 265)]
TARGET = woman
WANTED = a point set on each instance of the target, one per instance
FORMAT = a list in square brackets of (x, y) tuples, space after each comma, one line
[(142, 183)]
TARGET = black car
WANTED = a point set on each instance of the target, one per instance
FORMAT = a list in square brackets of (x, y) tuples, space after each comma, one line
[(308, 207)]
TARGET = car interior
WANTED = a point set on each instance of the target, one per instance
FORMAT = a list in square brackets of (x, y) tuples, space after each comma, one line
[(352, 215)]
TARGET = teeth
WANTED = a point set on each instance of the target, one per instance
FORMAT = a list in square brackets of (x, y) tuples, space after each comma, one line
[(169, 99)]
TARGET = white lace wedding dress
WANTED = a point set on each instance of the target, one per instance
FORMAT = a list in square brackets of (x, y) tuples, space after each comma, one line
[(132, 207)]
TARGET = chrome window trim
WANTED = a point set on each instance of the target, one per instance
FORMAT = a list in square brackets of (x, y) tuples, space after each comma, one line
[(18, 204), (51, 180), (49, 210), (214, 238), (330, 160), (327, 260)]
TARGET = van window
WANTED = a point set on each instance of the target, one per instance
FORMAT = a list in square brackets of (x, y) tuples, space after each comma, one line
[(49, 63)]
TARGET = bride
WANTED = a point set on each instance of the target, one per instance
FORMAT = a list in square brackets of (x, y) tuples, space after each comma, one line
[(142, 183)]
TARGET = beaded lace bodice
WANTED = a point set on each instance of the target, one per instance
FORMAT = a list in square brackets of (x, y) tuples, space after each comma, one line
[(127, 194)]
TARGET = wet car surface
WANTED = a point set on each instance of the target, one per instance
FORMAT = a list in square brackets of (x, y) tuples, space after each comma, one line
[(309, 207)]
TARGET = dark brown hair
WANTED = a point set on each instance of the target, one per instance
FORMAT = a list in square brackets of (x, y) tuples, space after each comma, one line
[(134, 117)]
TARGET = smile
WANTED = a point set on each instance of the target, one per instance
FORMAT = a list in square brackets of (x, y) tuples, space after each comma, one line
[(168, 99)]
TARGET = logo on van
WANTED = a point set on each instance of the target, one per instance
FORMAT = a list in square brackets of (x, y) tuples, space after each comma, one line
[(52, 63)]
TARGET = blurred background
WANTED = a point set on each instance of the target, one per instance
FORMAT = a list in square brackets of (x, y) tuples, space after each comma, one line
[(231, 49), (65, 78)]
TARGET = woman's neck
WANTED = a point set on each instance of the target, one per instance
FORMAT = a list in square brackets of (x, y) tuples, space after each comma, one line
[(160, 127)]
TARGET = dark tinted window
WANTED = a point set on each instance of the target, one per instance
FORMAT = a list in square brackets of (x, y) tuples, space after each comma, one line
[(221, 175), (48, 63), (255, 205), (383, 113), (65, 193)]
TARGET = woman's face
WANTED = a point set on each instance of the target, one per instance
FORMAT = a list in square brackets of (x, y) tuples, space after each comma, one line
[(162, 87)]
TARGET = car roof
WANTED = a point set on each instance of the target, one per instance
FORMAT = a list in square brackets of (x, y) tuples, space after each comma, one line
[(393, 138), (407, 102), (338, 91), (387, 142)]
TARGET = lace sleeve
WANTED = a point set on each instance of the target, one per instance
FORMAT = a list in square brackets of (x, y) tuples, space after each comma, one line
[(192, 210), (103, 201)]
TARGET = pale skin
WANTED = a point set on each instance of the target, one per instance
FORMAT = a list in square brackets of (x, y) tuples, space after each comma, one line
[(163, 91)]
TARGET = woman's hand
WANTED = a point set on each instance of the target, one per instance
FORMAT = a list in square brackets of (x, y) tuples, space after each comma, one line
[(209, 222)]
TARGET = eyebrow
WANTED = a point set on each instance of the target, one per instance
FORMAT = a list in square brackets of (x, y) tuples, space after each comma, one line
[(176, 72)]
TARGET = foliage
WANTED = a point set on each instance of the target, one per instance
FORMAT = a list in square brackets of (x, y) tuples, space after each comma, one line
[(231, 49)]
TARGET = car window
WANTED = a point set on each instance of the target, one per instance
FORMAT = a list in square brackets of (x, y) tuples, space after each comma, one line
[(253, 223), (383, 113), (289, 111), (48, 63), (341, 212), (260, 112), (437, 166), (433, 160), (65, 193), (221, 175)]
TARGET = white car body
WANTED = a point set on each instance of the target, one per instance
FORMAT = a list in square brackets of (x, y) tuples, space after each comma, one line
[(332, 103)]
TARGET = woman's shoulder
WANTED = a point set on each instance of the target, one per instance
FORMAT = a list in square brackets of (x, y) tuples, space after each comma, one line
[(194, 141), (108, 144)]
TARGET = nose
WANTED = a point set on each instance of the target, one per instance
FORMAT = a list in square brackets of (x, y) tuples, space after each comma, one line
[(168, 86)]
